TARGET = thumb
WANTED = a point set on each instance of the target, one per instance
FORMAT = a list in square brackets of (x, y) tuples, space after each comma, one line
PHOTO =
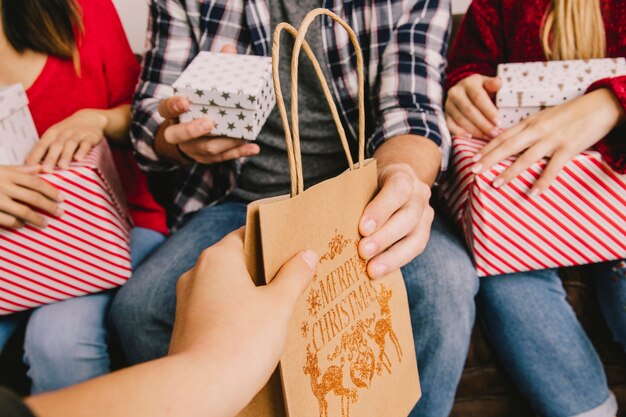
[(492, 84), (228, 49), (294, 277)]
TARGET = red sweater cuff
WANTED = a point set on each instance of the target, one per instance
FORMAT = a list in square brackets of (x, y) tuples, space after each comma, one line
[(613, 147)]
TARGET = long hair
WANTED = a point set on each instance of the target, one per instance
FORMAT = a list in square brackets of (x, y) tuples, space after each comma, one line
[(52, 27), (573, 29)]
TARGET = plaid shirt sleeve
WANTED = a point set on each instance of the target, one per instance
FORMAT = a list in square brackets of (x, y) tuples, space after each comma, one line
[(410, 96), (170, 46)]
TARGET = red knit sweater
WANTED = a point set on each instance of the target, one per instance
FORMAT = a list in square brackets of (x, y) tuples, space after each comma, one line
[(503, 31)]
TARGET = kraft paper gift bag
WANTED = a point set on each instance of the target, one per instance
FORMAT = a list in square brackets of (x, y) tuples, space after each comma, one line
[(350, 349)]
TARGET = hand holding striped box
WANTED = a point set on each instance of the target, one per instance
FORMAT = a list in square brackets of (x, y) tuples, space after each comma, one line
[(580, 219), (86, 250)]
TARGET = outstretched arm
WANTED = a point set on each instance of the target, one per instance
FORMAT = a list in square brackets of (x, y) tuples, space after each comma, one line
[(224, 346)]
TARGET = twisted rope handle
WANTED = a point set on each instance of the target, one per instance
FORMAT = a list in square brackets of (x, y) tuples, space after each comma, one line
[(292, 135)]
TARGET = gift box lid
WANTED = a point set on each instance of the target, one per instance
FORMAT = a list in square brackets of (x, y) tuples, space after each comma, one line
[(545, 84), (227, 80), (12, 98)]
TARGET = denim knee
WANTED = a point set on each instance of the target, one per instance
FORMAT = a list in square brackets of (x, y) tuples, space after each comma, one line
[(441, 285), (142, 317), (67, 342), (542, 345), (442, 282)]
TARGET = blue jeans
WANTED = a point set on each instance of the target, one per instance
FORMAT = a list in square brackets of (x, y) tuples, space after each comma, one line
[(441, 283), (66, 342), (543, 346)]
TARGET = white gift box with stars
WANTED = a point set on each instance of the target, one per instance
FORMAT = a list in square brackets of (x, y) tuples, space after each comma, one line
[(235, 91)]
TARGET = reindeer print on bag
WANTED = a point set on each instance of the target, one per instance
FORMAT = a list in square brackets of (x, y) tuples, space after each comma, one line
[(336, 305)]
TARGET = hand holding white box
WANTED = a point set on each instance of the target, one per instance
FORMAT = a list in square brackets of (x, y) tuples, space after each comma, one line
[(18, 134), (235, 91)]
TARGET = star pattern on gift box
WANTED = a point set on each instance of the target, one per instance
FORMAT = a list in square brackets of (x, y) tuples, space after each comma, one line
[(235, 91)]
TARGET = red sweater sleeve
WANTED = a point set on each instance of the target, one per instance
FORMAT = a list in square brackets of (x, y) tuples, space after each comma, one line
[(121, 67), (613, 147), (479, 45), (121, 72)]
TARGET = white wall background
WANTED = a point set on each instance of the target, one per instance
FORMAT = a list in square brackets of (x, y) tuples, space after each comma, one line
[(134, 15)]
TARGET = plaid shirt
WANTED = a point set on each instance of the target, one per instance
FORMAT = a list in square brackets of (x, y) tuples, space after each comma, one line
[(404, 46)]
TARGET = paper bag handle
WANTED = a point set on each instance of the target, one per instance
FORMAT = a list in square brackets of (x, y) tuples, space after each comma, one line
[(292, 135)]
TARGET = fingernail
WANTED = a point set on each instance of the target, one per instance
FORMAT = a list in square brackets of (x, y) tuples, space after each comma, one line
[(205, 125), (60, 197), (59, 212), (495, 132), (310, 258), (497, 183), (497, 122), (379, 270), (369, 226), (476, 157), (467, 135), (476, 168), (44, 223), (534, 193), (369, 248), (178, 107)]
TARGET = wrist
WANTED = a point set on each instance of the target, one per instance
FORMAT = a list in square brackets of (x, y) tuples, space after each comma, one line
[(613, 105), (420, 154), (97, 118), (168, 151), (184, 156)]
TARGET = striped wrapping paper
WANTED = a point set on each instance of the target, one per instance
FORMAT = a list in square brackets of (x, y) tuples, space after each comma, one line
[(580, 219), (84, 251)]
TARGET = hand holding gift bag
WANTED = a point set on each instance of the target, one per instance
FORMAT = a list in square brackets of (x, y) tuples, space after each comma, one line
[(350, 350)]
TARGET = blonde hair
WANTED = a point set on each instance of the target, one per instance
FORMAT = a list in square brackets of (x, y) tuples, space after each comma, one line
[(573, 29)]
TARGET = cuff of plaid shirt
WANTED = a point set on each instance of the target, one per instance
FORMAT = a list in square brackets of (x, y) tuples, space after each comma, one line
[(396, 122), (145, 125)]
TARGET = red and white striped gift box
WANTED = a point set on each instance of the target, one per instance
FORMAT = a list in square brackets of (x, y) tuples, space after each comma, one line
[(580, 219), (84, 251)]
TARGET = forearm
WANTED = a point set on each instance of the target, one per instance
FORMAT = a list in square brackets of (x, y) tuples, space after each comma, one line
[(421, 154), (179, 385), (117, 124)]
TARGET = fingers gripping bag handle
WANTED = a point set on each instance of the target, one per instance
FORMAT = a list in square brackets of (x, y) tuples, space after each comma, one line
[(292, 134)]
